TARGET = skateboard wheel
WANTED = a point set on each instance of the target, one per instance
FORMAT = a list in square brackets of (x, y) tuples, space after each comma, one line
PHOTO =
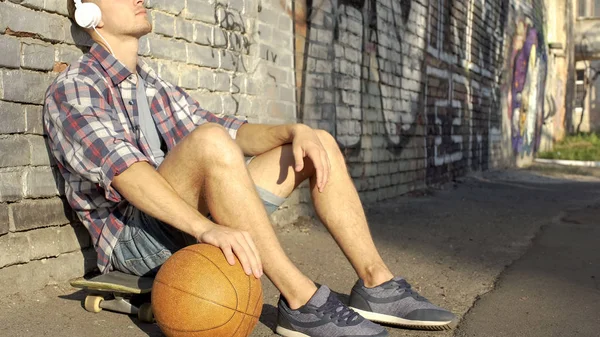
[(92, 303), (145, 313)]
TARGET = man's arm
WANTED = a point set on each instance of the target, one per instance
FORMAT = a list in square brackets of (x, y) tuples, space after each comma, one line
[(255, 139), (143, 187)]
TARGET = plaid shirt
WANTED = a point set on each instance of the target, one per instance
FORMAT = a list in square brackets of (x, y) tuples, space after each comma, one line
[(92, 124)]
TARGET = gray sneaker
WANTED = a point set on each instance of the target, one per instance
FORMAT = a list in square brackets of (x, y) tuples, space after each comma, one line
[(396, 303), (324, 316)]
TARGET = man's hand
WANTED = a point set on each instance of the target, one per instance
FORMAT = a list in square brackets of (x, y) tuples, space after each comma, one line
[(306, 143), (236, 242)]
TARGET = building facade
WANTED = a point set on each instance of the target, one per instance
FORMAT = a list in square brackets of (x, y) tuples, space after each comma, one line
[(586, 112)]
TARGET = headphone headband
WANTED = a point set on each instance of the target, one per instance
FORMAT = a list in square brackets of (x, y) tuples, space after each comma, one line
[(87, 15)]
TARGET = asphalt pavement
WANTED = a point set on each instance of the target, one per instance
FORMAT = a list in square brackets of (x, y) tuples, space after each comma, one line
[(512, 253)]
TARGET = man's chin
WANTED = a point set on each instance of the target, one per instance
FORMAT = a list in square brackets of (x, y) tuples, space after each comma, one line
[(144, 30)]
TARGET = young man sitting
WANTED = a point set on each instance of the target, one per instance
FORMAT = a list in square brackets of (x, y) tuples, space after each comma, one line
[(148, 171)]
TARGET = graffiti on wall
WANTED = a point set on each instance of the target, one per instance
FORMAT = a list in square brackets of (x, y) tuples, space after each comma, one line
[(369, 72), (527, 86), (458, 122), (461, 92), (356, 73), (393, 69), (236, 37)]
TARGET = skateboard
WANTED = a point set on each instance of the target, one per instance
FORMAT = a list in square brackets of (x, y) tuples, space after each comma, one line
[(114, 291)]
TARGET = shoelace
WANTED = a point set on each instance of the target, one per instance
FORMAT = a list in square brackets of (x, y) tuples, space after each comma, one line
[(402, 285), (339, 312)]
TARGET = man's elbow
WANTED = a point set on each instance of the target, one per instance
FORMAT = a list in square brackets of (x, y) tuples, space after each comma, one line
[(129, 179)]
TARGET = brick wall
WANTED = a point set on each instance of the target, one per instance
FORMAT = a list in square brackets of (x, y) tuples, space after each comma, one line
[(416, 92), (410, 89), (38, 244), (421, 92), (234, 56)]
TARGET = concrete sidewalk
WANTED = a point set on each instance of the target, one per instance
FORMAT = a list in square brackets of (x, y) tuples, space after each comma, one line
[(453, 245)]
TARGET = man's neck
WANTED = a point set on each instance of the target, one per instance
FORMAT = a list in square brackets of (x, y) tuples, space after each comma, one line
[(125, 49)]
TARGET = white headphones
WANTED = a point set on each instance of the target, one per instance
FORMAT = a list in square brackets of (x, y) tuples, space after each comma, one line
[(87, 14)]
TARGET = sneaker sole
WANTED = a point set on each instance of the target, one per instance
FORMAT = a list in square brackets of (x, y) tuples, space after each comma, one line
[(289, 333), (393, 320)]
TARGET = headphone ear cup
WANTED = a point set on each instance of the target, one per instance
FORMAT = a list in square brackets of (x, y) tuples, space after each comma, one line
[(88, 15)]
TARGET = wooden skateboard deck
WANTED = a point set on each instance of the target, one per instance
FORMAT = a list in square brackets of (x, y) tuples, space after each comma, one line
[(114, 291), (116, 282)]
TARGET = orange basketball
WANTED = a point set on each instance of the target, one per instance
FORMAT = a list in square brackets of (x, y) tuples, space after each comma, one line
[(197, 293)]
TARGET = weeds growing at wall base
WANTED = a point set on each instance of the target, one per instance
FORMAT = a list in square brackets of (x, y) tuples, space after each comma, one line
[(583, 146)]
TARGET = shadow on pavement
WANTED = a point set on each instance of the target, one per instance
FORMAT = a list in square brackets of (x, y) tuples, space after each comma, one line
[(268, 317), (152, 330)]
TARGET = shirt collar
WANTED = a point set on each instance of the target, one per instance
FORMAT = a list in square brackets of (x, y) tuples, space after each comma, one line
[(146, 72), (117, 71)]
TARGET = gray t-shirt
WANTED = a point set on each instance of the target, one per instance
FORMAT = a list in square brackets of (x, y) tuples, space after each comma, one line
[(147, 123)]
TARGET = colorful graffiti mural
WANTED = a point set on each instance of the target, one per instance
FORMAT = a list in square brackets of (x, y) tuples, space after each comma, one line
[(526, 99)]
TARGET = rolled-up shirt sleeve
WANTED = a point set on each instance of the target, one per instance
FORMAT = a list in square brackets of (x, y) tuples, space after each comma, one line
[(87, 136)]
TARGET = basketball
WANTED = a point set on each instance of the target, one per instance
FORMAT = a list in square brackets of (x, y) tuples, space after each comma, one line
[(197, 293)]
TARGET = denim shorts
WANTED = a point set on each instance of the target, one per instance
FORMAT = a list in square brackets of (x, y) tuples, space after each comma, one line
[(145, 243)]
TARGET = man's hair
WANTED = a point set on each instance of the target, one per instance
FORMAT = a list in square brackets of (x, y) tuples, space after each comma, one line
[(71, 9)]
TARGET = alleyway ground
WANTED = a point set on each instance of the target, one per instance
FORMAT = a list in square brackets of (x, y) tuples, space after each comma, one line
[(513, 253)]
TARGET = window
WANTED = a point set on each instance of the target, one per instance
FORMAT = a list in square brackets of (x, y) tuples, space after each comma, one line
[(581, 8), (580, 89), (588, 8), (580, 75)]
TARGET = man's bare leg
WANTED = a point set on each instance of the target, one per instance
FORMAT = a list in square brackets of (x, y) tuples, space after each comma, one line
[(208, 171), (338, 206)]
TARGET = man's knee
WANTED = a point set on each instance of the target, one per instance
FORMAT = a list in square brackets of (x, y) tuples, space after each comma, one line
[(329, 143), (212, 141)]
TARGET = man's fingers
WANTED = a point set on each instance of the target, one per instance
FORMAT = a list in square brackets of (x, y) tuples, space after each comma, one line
[(315, 156), (228, 254), (251, 260), (236, 243), (240, 252), (255, 250), (298, 158), (326, 168), (319, 171)]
